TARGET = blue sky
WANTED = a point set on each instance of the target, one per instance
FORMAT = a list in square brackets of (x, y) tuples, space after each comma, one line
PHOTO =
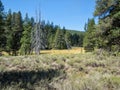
[(69, 13)]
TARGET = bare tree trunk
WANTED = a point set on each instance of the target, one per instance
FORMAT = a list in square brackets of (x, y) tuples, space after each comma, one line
[(38, 36)]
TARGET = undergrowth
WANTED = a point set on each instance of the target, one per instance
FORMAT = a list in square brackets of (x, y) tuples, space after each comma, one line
[(60, 72)]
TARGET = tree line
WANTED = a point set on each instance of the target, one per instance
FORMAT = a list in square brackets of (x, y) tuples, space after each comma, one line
[(106, 33), (28, 35), (24, 36)]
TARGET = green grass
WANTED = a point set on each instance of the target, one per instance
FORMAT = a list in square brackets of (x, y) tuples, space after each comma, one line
[(60, 72)]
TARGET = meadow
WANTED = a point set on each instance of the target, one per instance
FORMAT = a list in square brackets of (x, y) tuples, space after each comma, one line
[(60, 70)]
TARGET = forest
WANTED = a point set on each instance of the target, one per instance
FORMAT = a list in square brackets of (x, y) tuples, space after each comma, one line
[(38, 55), (22, 36)]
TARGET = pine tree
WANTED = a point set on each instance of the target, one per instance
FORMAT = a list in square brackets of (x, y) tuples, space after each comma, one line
[(26, 37), (89, 42), (80, 40), (50, 30), (68, 39), (32, 21), (60, 42), (75, 40), (64, 31), (9, 32), (17, 28), (2, 30), (108, 28)]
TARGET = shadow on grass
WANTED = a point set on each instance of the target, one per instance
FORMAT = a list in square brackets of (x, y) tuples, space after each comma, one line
[(23, 78)]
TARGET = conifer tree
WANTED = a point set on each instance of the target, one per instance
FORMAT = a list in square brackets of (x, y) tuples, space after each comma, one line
[(68, 39), (50, 30), (108, 29), (2, 30), (80, 40), (17, 28), (9, 32), (64, 31), (26, 37), (60, 42), (89, 42)]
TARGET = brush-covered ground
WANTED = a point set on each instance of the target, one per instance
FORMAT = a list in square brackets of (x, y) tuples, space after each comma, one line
[(67, 71)]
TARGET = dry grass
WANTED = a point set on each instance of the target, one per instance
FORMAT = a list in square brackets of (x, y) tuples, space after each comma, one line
[(60, 71), (74, 50)]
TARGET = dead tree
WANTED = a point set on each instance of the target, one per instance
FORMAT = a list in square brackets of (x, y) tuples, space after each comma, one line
[(38, 37)]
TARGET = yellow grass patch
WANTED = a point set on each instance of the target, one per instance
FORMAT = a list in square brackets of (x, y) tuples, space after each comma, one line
[(4, 53), (74, 50)]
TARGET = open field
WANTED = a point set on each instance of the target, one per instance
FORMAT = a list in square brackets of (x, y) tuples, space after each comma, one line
[(74, 50), (60, 72)]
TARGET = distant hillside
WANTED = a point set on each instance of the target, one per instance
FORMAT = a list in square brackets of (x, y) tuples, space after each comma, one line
[(76, 32)]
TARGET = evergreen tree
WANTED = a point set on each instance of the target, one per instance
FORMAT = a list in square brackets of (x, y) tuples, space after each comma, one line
[(60, 42), (2, 30), (9, 32), (64, 31), (89, 42), (68, 39), (17, 28), (51, 30), (75, 40), (85, 27), (26, 37), (80, 40), (32, 21), (108, 29)]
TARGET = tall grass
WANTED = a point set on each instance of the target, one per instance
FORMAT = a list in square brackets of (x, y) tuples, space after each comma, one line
[(60, 72)]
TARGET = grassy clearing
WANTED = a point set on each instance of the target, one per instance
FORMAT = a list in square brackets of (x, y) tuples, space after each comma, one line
[(74, 50), (60, 72)]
